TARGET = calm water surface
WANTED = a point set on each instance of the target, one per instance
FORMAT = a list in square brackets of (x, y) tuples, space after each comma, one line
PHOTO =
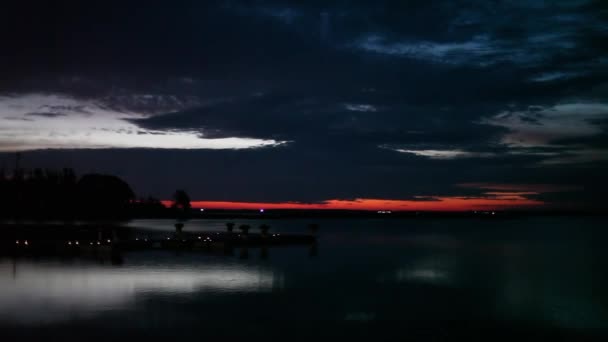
[(428, 279)]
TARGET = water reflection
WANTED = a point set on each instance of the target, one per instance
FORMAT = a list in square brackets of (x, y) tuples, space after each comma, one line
[(33, 292), (520, 281), (313, 250), (429, 270), (264, 255), (433, 275)]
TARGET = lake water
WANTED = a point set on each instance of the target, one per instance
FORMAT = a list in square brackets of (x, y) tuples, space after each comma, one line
[(416, 279)]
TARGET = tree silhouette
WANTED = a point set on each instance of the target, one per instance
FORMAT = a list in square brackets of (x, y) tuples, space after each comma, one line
[(148, 207), (181, 204), (39, 193), (61, 194), (181, 200), (104, 195)]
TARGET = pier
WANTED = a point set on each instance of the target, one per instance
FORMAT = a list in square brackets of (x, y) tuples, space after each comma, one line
[(18, 239)]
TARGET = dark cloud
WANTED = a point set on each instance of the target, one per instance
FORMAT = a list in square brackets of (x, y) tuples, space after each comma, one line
[(380, 99)]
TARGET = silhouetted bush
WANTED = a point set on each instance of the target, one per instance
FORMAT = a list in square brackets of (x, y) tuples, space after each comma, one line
[(51, 194), (104, 196)]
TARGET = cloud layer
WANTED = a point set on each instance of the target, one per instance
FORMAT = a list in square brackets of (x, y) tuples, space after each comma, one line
[(381, 100), (39, 121)]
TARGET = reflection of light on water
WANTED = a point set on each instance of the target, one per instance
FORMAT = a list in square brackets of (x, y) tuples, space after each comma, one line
[(43, 292), (432, 276), (432, 271)]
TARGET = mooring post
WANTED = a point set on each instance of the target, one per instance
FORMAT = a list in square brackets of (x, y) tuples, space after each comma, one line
[(264, 230), (244, 231), (178, 230), (313, 228)]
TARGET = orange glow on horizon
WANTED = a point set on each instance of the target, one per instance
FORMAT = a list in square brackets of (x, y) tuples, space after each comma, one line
[(494, 201)]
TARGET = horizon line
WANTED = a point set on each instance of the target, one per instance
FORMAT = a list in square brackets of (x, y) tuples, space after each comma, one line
[(451, 204)]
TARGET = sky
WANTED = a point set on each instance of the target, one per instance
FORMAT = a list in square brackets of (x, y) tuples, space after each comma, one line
[(402, 105)]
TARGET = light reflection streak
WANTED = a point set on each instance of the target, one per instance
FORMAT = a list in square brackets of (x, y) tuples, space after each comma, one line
[(35, 292)]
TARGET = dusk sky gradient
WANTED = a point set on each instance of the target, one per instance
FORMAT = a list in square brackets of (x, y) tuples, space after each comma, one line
[(402, 105)]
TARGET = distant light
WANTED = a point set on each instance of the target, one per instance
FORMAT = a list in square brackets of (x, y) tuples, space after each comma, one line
[(202, 209), (77, 242), (136, 239), (26, 242), (17, 242), (168, 238), (199, 237), (261, 210), (493, 213), (109, 240), (70, 243)]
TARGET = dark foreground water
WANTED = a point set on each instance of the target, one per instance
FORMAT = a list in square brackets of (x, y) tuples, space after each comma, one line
[(431, 279)]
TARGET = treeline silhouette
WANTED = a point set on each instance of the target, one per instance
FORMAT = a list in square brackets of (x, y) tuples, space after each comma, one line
[(61, 194)]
